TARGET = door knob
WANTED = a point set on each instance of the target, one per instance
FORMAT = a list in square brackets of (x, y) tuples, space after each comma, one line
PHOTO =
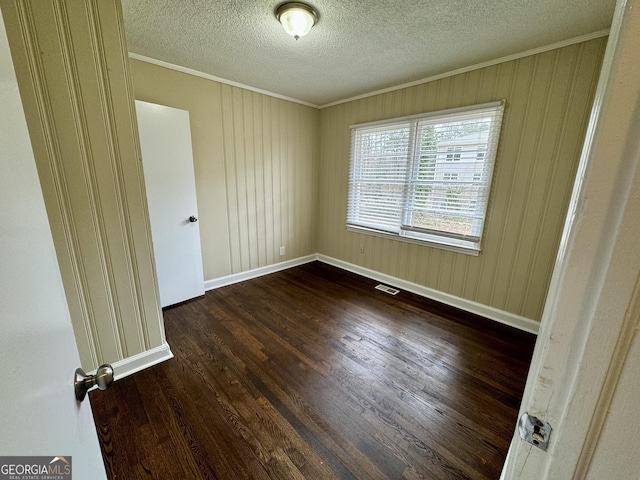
[(83, 382), (193, 219)]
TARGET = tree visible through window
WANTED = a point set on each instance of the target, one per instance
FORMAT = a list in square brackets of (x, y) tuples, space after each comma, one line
[(426, 177)]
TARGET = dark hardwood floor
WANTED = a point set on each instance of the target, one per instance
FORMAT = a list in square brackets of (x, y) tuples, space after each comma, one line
[(312, 373)]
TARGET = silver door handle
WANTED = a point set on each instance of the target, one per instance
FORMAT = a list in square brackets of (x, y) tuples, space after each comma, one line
[(193, 219), (83, 382)]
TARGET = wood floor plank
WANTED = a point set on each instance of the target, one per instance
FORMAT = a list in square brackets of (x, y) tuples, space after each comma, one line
[(285, 391), (312, 373)]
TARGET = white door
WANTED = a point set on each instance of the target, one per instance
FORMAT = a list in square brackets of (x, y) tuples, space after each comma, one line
[(39, 415), (165, 140)]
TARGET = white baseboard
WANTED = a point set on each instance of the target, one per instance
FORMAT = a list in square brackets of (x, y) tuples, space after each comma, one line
[(130, 365), (135, 363), (516, 321), (521, 323), (257, 272)]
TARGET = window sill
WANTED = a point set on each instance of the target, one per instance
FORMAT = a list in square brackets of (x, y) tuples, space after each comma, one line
[(426, 243)]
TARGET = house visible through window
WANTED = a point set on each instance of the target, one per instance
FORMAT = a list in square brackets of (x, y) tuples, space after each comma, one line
[(453, 156), (425, 178)]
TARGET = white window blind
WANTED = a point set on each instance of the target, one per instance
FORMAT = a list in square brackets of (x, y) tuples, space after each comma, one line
[(425, 177)]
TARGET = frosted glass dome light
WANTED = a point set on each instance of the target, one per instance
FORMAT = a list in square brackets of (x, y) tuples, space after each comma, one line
[(297, 18)]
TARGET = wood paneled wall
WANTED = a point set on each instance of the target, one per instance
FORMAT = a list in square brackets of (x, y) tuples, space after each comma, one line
[(548, 101), (271, 172), (256, 160), (71, 63)]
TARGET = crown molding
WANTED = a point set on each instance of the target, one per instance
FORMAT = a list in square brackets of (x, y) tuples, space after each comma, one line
[(477, 66), (206, 76), (489, 63)]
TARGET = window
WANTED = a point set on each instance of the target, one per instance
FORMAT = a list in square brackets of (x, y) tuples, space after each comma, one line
[(425, 178), (453, 157)]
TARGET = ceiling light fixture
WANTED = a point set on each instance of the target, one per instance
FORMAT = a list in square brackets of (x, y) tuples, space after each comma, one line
[(297, 18)]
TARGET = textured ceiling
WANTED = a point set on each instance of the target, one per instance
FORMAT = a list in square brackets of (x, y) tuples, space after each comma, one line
[(358, 46)]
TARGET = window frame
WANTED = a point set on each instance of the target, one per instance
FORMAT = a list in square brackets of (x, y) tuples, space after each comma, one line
[(405, 231)]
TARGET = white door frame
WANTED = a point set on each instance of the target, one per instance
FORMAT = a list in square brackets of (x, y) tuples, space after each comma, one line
[(586, 330)]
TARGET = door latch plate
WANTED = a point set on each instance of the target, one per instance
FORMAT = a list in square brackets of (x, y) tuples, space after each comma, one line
[(534, 431)]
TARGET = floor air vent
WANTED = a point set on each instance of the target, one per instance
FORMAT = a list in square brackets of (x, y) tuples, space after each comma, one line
[(387, 289)]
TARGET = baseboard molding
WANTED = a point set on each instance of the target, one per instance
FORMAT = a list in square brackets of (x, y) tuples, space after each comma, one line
[(130, 365), (257, 272), (516, 321)]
